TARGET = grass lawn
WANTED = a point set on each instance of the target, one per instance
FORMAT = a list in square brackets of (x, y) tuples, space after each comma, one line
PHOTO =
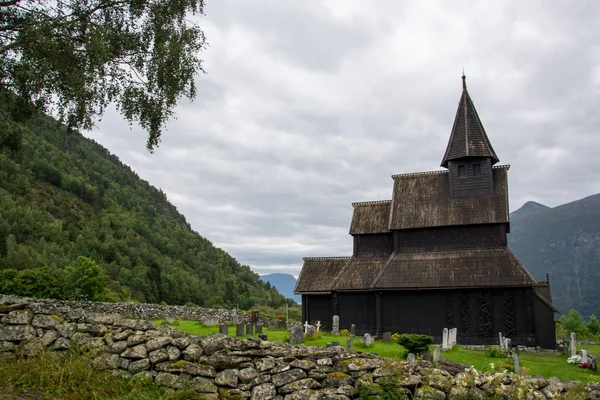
[(543, 364)]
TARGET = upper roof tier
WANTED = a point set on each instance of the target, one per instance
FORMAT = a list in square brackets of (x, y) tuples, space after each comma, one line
[(468, 138)]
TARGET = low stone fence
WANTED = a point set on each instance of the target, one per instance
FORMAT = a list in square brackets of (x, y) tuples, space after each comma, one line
[(73, 309), (221, 366)]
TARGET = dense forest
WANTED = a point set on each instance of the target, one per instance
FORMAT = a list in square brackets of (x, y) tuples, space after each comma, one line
[(71, 215)]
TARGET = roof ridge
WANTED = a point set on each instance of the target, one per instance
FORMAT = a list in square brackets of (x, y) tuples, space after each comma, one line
[(440, 172), (326, 258), (502, 166), (366, 203)]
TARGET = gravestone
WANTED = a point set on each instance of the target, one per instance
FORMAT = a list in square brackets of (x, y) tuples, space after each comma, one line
[(445, 339), (306, 325), (501, 341), (296, 335), (259, 328), (387, 337), (310, 330), (353, 330), (507, 344), (262, 336), (452, 337), (209, 321), (335, 329), (281, 325), (573, 345), (250, 329), (224, 329), (239, 330), (169, 319), (427, 356), (350, 344), (516, 359), (331, 344), (318, 326), (410, 358), (584, 356), (254, 316), (367, 339), (436, 354)]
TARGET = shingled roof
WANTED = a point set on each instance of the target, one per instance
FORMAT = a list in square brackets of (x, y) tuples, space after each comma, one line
[(370, 217), (318, 273), (358, 273), (453, 269), (468, 138), (423, 200)]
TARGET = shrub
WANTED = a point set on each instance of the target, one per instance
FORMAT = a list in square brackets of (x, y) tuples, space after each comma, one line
[(315, 336), (395, 337), (415, 343), (344, 332), (495, 352)]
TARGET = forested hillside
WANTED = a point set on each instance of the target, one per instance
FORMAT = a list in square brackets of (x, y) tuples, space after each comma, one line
[(563, 241), (65, 196)]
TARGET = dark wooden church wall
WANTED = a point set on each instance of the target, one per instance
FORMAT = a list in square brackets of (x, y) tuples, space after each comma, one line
[(414, 312), (544, 324), (373, 245), (470, 184), (451, 238), (318, 308), (358, 309)]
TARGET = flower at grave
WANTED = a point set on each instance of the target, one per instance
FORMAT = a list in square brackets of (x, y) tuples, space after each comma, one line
[(344, 332), (277, 317), (584, 365)]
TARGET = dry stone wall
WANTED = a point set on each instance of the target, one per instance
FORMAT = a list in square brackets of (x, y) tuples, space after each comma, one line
[(220, 366)]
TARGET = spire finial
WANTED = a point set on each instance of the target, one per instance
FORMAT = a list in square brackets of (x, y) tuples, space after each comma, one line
[(464, 79)]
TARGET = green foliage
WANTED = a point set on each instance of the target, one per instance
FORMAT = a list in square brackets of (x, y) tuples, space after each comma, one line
[(573, 322), (76, 57), (345, 332), (313, 337), (84, 280), (101, 210), (495, 352), (414, 343), (593, 326)]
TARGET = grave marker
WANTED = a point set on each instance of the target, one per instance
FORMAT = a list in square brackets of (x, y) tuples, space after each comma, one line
[(306, 325), (350, 344), (436, 354), (335, 329), (387, 337), (353, 330), (573, 345), (445, 339), (250, 329), (410, 358), (296, 335), (224, 329), (318, 326), (259, 329), (239, 329), (367, 339)]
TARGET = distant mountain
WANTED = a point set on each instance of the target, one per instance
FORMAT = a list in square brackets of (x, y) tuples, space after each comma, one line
[(529, 208), (563, 241), (284, 283)]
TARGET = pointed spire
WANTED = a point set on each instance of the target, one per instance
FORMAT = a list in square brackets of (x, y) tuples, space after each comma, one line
[(468, 138)]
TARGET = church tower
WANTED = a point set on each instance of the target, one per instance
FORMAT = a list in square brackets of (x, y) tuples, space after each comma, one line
[(469, 156)]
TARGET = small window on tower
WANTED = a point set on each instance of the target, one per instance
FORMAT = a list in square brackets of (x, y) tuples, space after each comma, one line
[(462, 171), (476, 170)]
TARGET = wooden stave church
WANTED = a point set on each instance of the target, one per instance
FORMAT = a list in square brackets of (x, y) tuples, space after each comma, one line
[(435, 256)]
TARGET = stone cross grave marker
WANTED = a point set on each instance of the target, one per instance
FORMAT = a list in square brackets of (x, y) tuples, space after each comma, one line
[(239, 329), (387, 337), (367, 339), (410, 358), (335, 328), (445, 339), (318, 326), (306, 325), (573, 345), (436, 354), (353, 330), (296, 335)]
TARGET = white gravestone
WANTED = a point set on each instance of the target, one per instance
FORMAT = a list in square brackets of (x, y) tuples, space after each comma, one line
[(445, 339), (335, 328), (306, 325), (452, 337), (318, 326), (367, 339), (501, 340), (436, 354), (573, 345), (584, 356)]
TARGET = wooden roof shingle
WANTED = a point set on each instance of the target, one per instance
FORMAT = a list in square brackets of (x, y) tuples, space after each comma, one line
[(370, 217), (423, 200), (318, 273), (359, 273), (453, 269)]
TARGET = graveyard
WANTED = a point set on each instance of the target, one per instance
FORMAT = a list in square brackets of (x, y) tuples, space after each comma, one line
[(543, 363)]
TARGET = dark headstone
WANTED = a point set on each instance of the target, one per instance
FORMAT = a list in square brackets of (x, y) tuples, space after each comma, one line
[(281, 325), (254, 316), (259, 328), (332, 344), (239, 330), (427, 356), (262, 336), (249, 329), (387, 337), (224, 329), (296, 335)]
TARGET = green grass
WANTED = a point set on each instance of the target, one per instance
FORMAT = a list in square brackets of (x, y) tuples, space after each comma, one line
[(73, 377), (543, 364)]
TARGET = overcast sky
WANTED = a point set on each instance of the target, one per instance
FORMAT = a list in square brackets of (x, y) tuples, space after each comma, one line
[(308, 106)]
